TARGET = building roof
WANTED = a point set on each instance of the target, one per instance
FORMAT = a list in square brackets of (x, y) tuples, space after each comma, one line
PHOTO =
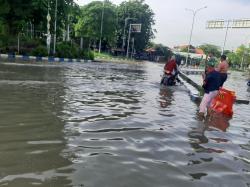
[(199, 51)]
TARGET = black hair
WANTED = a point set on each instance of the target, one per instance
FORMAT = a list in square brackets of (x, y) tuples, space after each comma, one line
[(223, 57)]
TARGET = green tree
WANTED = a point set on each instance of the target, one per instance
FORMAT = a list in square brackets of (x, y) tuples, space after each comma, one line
[(234, 59), (90, 18), (209, 48), (162, 50), (20, 15), (13, 14), (243, 53), (141, 13)]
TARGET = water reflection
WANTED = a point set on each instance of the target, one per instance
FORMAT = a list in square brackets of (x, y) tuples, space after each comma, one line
[(166, 97), (218, 121), (212, 122)]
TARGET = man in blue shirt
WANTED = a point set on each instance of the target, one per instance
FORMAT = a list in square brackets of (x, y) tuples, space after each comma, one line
[(211, 85)]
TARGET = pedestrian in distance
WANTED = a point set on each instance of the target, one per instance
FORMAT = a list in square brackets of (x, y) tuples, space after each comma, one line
[(223, 67)]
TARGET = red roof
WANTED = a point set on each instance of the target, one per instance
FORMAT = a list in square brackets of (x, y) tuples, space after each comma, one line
[(199, 51), (150, 50)]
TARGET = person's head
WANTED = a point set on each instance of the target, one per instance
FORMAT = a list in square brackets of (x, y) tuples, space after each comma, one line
[(211, 64), (173, 57), (223, 57), (211, 54)]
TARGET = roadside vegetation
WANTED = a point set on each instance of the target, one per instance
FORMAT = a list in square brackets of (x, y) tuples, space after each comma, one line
[(23, 27)]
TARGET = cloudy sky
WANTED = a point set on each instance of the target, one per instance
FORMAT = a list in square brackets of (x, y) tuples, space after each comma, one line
[(173, 22)]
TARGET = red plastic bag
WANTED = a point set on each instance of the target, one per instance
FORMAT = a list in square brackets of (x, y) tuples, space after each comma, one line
[(223, 102)]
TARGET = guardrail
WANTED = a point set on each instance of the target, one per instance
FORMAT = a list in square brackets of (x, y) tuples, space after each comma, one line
[(27, 58), (200, 89)]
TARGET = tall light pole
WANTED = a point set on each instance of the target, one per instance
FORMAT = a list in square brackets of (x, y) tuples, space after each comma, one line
[(129, 34), (225, 39), (100, 41), (48, 31), (191, 33), (54, 49), (124, 32)]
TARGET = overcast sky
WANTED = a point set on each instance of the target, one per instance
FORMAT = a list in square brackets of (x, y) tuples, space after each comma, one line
[(173, 22)]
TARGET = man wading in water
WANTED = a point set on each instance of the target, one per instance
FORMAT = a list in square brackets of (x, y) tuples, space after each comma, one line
[(211, 85)]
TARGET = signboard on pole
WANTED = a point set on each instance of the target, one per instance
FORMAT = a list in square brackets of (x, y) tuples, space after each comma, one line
[(241, 23), (235, 24), (216, 24), (136, 28)]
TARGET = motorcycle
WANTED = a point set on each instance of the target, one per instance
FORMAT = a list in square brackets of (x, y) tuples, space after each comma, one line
[(170, 80)]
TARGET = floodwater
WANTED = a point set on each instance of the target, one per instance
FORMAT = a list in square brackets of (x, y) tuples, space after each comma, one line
[(110, 125), (237, 81)]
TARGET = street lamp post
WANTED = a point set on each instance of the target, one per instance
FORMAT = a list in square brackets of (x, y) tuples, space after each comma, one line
[(191, 33), (124, 32), (225, 39), (100, 41), (48, 31), (129, 34), (54, 49), (133, 47)]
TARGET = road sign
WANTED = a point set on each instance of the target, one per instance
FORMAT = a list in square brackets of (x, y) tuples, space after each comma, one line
[(136, 28), (216, 24), (235, 24), (241, 23)]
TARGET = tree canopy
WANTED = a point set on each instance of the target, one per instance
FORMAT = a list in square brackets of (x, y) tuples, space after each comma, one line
[(209, 48), (140, 13), (90, 21), (20, 15)]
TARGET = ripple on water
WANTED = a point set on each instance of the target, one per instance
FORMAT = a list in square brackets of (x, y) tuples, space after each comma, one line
[(112, 125)]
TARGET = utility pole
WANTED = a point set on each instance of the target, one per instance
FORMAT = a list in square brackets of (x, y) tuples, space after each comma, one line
[(100, 41)]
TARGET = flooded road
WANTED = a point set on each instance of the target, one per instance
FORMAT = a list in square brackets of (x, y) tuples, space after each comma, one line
[(110, 125), (237, 81)]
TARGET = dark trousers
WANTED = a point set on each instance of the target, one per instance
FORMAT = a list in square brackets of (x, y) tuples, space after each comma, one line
[(223, 77)]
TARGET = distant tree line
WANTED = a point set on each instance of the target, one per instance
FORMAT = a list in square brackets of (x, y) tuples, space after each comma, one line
[(25, 22), (238, 59)]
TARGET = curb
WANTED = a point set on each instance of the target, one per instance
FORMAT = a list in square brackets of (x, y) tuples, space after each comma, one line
[(27, 58)]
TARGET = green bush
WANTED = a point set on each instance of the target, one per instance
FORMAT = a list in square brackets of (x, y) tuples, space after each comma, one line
[(71, 50), (7, 41), (66, 50), (91, 55), (40, 51)]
